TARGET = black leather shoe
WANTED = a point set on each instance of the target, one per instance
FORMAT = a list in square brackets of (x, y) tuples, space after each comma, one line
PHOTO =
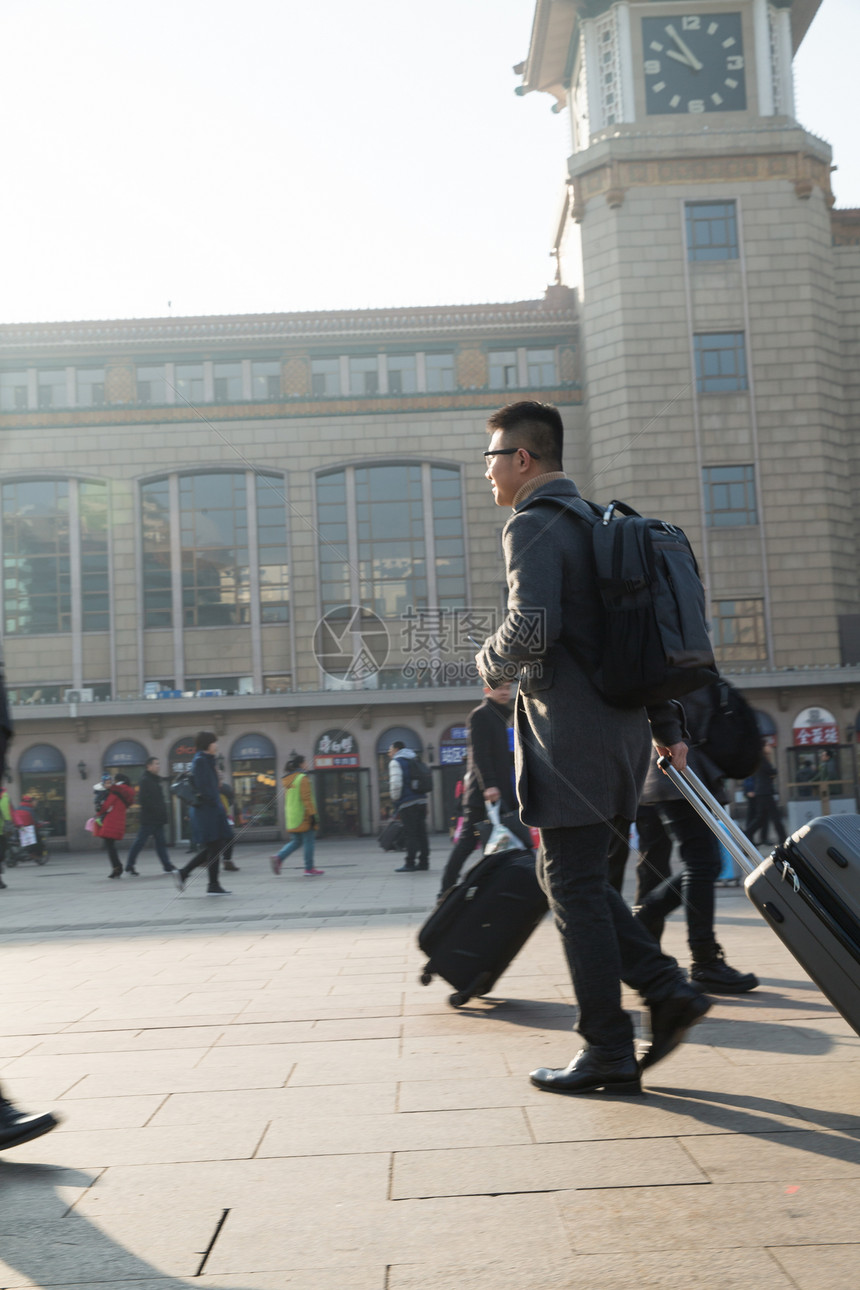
[(670, 1020), (406, 868), (133, 872), (17, 1126), (589, 1074), (115, 873)]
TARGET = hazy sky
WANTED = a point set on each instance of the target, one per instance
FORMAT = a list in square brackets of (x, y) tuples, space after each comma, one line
[(299, 154)]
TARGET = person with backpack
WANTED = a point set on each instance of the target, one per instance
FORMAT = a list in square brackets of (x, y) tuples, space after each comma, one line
[(300, 816), (408, 788), (694, 886), (209, 819), (580, 760)]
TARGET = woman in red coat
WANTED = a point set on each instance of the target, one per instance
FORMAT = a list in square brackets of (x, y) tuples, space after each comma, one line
[(119, 797)]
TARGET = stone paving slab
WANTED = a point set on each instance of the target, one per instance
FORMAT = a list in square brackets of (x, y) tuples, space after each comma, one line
[(265, 1079)]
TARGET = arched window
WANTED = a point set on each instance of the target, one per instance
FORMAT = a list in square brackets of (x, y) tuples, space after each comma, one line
[(221, 574), (255, 787), (55, 554), (391, 538), (42, 772)]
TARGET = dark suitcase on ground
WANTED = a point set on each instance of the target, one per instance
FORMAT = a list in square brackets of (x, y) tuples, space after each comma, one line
[(391, 835), (808, 891), (480, 926)]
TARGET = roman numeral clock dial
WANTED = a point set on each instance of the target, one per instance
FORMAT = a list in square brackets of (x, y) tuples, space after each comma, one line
[(694, 63)]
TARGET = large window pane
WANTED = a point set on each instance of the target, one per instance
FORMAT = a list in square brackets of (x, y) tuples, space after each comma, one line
[(450, 551), (13, 391), (364, 374), (90, 387), (95, 603), (227, 382), (440, 372), (739, 631), (52, 388), (272, 547), (266, 379), (325, 377), (151, 384), (541, 367), (402, 374), (36, 564), (189, 382), (215, 565), (503, 369), (157, 596)]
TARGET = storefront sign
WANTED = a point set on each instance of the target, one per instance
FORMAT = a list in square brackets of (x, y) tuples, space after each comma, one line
[(182, 754), (815, 726), (125, 752), (336, 748), (253, 748)]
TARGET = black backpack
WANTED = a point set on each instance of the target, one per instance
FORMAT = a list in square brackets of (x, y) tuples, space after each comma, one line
[(732, 741), (420, 776), (656, 644), (184, 788)]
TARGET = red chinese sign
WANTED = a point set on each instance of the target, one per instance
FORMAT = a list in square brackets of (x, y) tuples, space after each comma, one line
[(814, 726)]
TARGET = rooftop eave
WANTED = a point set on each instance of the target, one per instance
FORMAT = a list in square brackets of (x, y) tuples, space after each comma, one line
[(545, 67)]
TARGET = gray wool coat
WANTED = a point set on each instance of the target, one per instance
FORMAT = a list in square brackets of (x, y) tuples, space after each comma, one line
[(578, 760)]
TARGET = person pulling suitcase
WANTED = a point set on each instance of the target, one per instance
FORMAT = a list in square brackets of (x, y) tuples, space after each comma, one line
[(489, 771), (694, 885)]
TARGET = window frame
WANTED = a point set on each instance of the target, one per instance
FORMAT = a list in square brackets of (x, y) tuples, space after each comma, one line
[(724, 380)]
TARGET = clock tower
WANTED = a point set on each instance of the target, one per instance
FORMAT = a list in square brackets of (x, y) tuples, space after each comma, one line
[(697, 230)]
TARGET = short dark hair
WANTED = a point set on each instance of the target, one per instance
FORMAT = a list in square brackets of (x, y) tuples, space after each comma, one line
[(295, 761), (538, 425), (151, 759), (204, 739), (398, 744)]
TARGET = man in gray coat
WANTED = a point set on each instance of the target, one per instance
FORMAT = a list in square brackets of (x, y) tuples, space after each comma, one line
[(580, 763)]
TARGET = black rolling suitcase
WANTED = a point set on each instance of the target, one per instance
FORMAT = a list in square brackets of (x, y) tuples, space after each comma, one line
[(808, 891), (480, 926), (391, 835)]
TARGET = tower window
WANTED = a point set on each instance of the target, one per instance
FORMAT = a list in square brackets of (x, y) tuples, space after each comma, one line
[(712, 231), (721, 363), (729, 495)]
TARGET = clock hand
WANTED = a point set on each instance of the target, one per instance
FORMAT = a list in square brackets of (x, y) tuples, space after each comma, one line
[(673, 53), (685, 49)]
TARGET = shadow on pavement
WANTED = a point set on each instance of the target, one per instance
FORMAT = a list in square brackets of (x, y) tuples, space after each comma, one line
[(50, 1243)]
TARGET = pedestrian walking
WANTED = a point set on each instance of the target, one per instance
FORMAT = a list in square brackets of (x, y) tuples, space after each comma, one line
[(118, 796), (208, 817), (580, 762), (153, 818), (300, 817), (411, 806)]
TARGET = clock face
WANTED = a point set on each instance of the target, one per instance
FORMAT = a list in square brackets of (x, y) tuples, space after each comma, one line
[(693, 63)]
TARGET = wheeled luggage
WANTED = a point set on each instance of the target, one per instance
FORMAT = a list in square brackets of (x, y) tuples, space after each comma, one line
[(808, 890), (391, 835), (480, 926)]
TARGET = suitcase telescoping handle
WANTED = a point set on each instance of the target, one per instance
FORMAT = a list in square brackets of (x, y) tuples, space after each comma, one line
[(714, 814)]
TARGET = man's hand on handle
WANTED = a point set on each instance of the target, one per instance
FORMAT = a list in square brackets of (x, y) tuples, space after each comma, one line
[(677, 754)]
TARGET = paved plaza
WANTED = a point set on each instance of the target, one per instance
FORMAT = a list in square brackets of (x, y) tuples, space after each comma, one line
[(257, 1093)]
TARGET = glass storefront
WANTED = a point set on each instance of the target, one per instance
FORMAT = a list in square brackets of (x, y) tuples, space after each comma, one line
[(42, 776), (254, 782), (342, 788)]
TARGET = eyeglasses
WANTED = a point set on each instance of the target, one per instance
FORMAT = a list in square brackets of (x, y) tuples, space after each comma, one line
[(508, 452)]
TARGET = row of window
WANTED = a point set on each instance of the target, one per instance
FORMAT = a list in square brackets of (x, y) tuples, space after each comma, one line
[(390, 537), (253, 380)]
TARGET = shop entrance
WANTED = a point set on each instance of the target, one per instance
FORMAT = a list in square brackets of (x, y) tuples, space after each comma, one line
[(343, 802)]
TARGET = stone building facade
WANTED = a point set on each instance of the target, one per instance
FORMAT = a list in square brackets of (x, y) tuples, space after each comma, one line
[(718, 294), (278, 527), (185, 500)]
